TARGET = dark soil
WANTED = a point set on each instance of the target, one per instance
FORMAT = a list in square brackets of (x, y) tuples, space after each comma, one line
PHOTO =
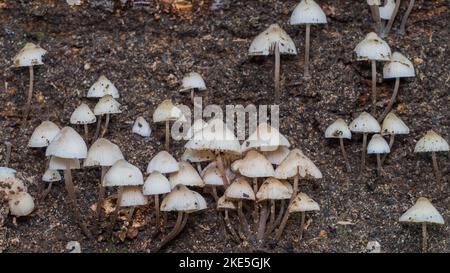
[(145, 52)]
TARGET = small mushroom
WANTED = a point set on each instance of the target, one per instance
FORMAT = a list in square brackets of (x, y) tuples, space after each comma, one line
[(20, 204), (212, 178), (43, 134), (303, 203), (239, 191), (186, 175), (83, 115), (102, 87), (265, 138), (225, 205), (373, 247), (389, 12), (192, 82), (155, 185), (378, 145), (197, 156), (375, 10), (141, 127), (132, 197), (50, 176), (107, 105), (163, 162), (74, 247), (393, 125), (402, 30), (167, 112), (339, 129)]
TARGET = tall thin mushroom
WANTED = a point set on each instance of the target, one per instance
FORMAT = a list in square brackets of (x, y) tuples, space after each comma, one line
[(389, 12), (192, 82), (339, 129), (402, 30), (303, 203), (83, 115), (155, 185), (107, 105), (378, 145), (49, 177), (167, 112), (393, 125)]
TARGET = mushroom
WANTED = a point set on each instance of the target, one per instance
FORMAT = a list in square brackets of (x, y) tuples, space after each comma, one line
[(102, 153), (73, 246), (432, 142), (378, 145), (83, 115), (30, 55), (398, 67), (163, 162), (50, 176), (339, 129), (225, 205), (132, 197), (273, 40), (43, 134), (265, 138), (20, 204), (373, 247), (365, 123), (156, 184), (103, 87), (213, 179), (192, 82), (240, 190), (105, 106), (303, 203), (186, 175), (167, 112), (307, 12), (7, 173), (12, 185), (423, 212), (68, 145), (141, 127), (375, 10), (405, 18), (389, 12), (373, 49), (197, 156), (393, 125), (277, 156)]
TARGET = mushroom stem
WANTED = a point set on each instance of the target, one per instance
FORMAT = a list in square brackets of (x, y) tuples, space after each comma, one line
[(392, 101), (262, 221), (130, 214), (105, 127), (242, 220), (228, 224), (272, 218), (158, 218), (436, 167), (344, 154), (222, 170), (214, 193), (277, 73), (167, 144), (101, 194), (30, 95), (302, 224), (116, 210), (375, 10), (286, 214), (306, 74), (388, 27), (424, 238), (97, 129), (86, 132), (181, 221), (374, 86), (391, 144), (363, 154), (255, 190), (192, 96), (8, 153), (280, 214), (46, 191), (379, 165), (405, 18)]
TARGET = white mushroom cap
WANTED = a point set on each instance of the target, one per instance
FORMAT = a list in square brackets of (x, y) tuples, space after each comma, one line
[(123, 173), (308, 12), (51, 176), (167, 111), (107, 105), (132, 196), (378, 145), (21, 204), (212, 177), (373, 247), (303, 202), (163, 162), (141, 127), (255, 164), (431, 142), (103, 153), (224, 204), (387, 10), (216, 136), (183, 199), (67, 144), (264, 43), (240, 189), (338, 129), (103, 87), (193, 80), (186, 175), (29, 55), (6, 173), (422, 212), (12, 186), (195, 156), (213, 165), (277, 156), (365, 123), (43, 134), (58, 163), (288, 185), (393, 125), (273, 189), (74, 246), (373, 48), (156, 183), (374, 2), (197, 126), (297, 163), (266, 138), (398, 67), (82, 115)]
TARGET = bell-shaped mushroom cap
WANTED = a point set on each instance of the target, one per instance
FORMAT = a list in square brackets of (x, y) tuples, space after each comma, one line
[(273, 189), (393, 125), (156, 183), (163, 162), (58, 163), (67, 144), (103, 153), (373, 48), (183, 199), (224, 204), (82, 115), (103, 87), (365, 123), (6, 173), (51, 176), (197, 126), (123, 173), (265, 138), (378, 145), (216, 136), (338, 129), (193, 80), (195, 156), (186, 175), (308, 12), (255, 164), (422, 212), (398, 67), (229, 173), (303, 202), (12, 186), (240, 189), (107, 105), (373, 247), (43, 134), (29, 55), (21, 204), (297, 163), (141, 127), (277, 156), (132, 196), (431, 142), (167, 111), (387, 10), (264, 43), (212, 177)]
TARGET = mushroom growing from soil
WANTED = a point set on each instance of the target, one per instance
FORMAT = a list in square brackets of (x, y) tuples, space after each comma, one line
[(273, 40), (107, 105), (339, 129), (365, 123), (83, 115), (423, 212), (398, 67), (103, 87), (167, 112), (239, 191), (393, 125), (277, 156), (192, 82), (141, 127), (30, 55), (375, 11), (303, 203), (307, 12), (132, 197), (373, 49), (155, 185), (213, 179), (432, 142), (186, 175), (197, 156), (49, 177), (265, 138), (389, 12), (43, 134), (378, 145), (20, 204), (402, 30), (225, 205)]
